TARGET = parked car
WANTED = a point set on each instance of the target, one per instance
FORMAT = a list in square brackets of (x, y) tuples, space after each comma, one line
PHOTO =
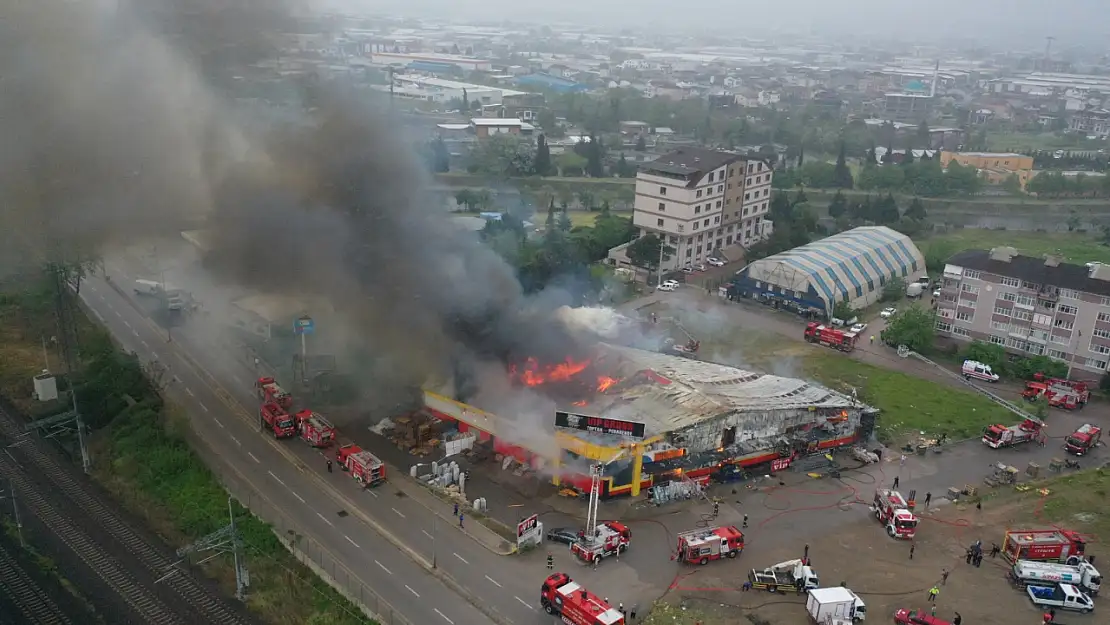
[(936, 293), (687, 269), (700, 267), (668, 285), (716, 262), (564, 535), (858, 328), (917, 617), (887, 313)]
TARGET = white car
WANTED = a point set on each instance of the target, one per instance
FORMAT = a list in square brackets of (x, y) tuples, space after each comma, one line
[(888, 312), (936, 293), (700, 267), (858, 328), (716, 262), (668, 285), (687, 269)]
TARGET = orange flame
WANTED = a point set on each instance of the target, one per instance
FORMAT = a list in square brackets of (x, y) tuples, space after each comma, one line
[(581, 404), (604, 383), (534, 374)]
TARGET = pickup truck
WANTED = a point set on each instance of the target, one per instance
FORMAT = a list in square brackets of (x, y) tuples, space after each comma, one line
[(1063, 596)]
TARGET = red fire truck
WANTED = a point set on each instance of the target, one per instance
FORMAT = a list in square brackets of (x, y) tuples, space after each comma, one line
[(271, 391), (363, 465), (560, 596), (996, 436), (1060, 393), (315, 429), (712, 543), (610, 538), (274, 417), (1083, 440), (1050, 545), (830, 337), (893, 511)]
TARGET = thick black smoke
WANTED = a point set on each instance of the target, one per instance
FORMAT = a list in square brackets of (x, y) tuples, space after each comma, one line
[(110, 133)]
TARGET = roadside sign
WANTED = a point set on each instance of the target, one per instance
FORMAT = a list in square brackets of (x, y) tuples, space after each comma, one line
[(529, 531), (586, 423), (304, 325), (527, 525)]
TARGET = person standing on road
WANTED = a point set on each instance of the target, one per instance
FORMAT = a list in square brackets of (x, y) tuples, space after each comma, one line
[(944, 577), (550, 561), (928, 500), (632, 613), (912, 548), (933, 592), (456, 508), (460, 520), (895, 481), (902, 461), (329, 465), (957, 620), (745, 520), (872, 339)]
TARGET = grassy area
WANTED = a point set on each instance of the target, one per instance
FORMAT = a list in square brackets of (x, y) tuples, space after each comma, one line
[(1023, 141), (141, 456), (586, 218), (909, 404), (1076, 247), (1074, 501)]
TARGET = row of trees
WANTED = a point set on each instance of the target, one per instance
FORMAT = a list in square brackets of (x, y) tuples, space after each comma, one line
[(923, 177), (1056, 184), (509, 156)]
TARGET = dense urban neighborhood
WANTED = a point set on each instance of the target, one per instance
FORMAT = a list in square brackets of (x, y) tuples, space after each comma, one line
[(470, 316)]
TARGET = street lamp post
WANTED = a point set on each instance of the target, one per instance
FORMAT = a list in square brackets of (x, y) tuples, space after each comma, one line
[(434, 540)]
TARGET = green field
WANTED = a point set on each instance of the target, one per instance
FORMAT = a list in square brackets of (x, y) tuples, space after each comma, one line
[(1076, 247), (586, 218)]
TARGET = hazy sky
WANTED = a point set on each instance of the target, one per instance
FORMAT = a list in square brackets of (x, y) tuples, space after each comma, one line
[(1013, 21)]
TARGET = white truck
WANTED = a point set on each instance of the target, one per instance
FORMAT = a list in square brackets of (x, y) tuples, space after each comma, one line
[(835, 606), (1082, 574), (785, 576), (1063, 596), (173, 297)]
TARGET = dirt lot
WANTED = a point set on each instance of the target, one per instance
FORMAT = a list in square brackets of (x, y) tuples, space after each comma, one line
[(881, 571)]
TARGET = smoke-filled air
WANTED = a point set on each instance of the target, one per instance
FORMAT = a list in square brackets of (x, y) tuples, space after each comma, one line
[(111, 134)]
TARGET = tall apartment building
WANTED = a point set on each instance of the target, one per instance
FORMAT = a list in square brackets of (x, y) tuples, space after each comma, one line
[(1030, 306), (702, 201)]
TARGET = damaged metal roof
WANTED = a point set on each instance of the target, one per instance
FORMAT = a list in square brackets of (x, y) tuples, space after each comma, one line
[(671, 393)]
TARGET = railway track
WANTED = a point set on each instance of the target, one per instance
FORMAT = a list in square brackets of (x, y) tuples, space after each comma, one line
[(35, 605), (180, 599)]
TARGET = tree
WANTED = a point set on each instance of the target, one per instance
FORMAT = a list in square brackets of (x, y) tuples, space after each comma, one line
[(644, 252), (894, 289), (542, 162), (924, 136), (586, 198), (843, 311), (838, 207), (565, 223), (907, 159), (641, 144), (916, 210), (913, 327), (801, 155), (467, 199), (594, 165), (886, 211), (1012, 184), (570, 164), (988, 354), (624, 169), (842, 174), (549, 224), (465, 102)]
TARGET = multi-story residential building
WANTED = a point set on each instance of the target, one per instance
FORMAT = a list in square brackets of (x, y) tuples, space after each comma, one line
[(1030, 306), (702, 201), (1093, 121)]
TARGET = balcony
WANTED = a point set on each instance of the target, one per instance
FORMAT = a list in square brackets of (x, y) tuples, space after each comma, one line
[(1048, 296)]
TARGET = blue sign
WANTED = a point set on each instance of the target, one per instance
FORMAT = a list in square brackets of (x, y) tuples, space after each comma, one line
[(304, 325)]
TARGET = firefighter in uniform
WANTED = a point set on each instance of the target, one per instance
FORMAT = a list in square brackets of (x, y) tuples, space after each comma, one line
[(550, 562)]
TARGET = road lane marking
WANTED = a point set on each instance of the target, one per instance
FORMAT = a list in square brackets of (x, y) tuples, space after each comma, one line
[(203, 407), (412, 591), (135, 332), (128, 324), (146, 346), (276, 478), (444, 616), (115, 311), (324, 519), (218, 422), (495, 582), (428, 535), (461, 558), (99, 316), (154, 354), (236, 441), (399, 513), (373, 493), (352, 542), (523, 602), (297, 496), (383, 567), (253, 457), (189, 391)]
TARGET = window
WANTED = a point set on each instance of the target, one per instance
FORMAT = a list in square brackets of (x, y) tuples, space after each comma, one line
[(1017, 343), (706, 224), (1034, 348), (662, 207), (1064, 325), (1102, 334), (1042, 320), (711, 176), (697, 209), (966, 303), (1070, 294), (1008, 281), (747, 196), (1104, 317), (673, 240), (731, 173), (971, 275), (870, 286), (659, 222), (1095, 363), (699, 250), (750, 166), (766, 192), (1062, 340), (944, 327), (689, 252), (967, 288), (1009, 297), (662, 190), (1030, 285), (1104, 301), (748, 182), (717, 219), (695, 225), (1055, 353), (1023, 315), (1067, 310), (699, 193), (681, 227), (964, 316), (1001, 326), (1025, 300), (961, 331), (728, 240), (701, 237), (997, 340), (1100, 349), (745, 212), (720, 188), (718, 203)]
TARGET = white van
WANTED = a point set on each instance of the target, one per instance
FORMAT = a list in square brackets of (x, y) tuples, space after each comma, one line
[(979, 371)]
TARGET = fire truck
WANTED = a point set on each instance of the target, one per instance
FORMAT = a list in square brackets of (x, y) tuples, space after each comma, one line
[(1059, 393), (893, 511), (315, 429), (274, 417), (1083, 440), (609, 538), (712, 543), (1051, 545), (560, 596), (271, 392), (364, 466), (830, 337), (997, 436)]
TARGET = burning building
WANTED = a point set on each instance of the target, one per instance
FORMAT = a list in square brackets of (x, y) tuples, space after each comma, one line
[(655, 417)]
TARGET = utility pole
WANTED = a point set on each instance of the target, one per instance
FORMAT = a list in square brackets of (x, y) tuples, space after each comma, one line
[(223, 540), (662, 244)]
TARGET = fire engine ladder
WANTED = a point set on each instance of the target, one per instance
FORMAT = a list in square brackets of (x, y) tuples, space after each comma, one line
[(906, 352)]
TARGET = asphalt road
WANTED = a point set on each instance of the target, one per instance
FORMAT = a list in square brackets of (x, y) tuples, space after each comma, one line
[(298, 490)]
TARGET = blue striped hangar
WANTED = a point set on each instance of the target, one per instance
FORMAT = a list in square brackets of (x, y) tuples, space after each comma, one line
[(852, 266)]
